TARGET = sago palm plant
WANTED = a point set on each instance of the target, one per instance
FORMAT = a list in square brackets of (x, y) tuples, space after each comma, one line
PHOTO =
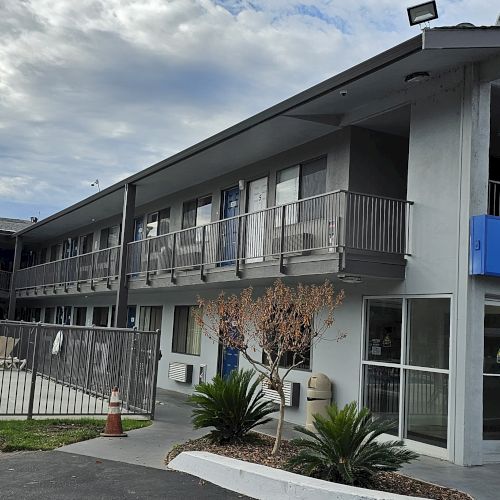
[(233, 406), (345, 449)]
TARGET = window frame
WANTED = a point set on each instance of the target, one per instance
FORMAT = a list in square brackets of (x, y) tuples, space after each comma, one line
[(197, 201), (404, 367), (174, 332)]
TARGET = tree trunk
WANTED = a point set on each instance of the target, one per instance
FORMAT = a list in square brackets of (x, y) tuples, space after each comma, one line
[(279, 430)]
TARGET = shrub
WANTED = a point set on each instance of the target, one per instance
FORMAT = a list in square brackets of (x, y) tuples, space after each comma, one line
[(233, 406), (344, 448)]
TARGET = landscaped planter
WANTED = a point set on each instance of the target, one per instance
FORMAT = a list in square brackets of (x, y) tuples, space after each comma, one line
[(261, 482)]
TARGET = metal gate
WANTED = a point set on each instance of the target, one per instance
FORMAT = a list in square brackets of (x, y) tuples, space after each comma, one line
[(70, 370)]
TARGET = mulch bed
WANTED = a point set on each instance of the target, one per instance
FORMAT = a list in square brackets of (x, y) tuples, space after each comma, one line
[(257, 449)]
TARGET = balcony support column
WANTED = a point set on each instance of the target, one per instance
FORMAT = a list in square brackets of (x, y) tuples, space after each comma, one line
[(15, 267), (127, 235)]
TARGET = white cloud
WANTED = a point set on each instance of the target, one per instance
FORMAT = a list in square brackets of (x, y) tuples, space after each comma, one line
[(97, 88)]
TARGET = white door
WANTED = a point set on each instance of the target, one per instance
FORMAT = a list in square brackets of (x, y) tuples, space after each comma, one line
[(256, 220)]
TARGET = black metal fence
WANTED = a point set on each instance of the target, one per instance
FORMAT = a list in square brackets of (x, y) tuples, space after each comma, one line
[(70, 370)]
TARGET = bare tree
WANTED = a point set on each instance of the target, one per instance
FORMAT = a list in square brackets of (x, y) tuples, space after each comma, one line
[(284, 321)]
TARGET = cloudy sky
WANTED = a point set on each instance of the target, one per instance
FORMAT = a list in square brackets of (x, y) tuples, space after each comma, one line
[(104, 88)]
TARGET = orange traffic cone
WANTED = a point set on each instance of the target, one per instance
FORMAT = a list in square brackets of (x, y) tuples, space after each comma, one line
[(114, 421)]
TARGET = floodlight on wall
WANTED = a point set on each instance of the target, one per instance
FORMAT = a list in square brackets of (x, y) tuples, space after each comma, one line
[(349, 278), (422, 13)]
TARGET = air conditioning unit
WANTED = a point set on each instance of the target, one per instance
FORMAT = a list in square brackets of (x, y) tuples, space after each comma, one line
[(297, 244), (292, 393), (180, 372)]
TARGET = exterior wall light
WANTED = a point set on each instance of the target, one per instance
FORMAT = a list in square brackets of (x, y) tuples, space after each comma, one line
[(422, 13), (348, 278), (418, 77)]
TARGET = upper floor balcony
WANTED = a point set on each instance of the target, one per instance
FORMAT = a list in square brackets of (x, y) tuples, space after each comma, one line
[(335, 233)]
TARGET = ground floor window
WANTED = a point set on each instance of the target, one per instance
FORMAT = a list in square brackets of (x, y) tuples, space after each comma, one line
[(491, 372), (80, 316), (150, 318), (100, 316), (186, 336), (406, 365)]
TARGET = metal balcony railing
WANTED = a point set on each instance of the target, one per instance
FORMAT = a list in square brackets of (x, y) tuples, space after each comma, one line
[(327, 223), (5, 277), (494, 198), (102, 264)]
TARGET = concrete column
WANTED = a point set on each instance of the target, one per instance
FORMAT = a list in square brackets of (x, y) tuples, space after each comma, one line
[(126, 237), (469, 307), (17, 261)]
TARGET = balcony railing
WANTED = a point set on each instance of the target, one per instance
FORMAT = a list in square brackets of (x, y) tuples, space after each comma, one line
[(328, 223), (5, 280), (331, 223), (90, 267), (494, 198)]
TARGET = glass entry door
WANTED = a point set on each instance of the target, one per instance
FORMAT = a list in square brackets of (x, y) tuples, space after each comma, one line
[(406, 366)]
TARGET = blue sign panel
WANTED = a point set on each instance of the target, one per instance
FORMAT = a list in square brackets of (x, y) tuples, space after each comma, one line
[(485, 245)]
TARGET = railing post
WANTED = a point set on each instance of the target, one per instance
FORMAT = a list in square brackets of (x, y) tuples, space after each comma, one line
[(202, 258), (148, 257), (155, 373), (66, 272), (92, 271), (34, 368), (238, 243), (108, 264), (78, 258), (172, 271), (282, 239)]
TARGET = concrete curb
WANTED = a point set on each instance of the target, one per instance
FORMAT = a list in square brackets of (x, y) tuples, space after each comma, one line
[(261, 482)]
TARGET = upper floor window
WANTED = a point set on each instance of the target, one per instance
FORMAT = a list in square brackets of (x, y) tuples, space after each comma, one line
[(110, 237), (197, 212), (301, 181)]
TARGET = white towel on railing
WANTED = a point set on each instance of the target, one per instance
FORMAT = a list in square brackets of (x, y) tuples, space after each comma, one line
[(56, 346)]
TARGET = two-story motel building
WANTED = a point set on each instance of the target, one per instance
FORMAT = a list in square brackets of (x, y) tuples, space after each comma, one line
[(370, 179)]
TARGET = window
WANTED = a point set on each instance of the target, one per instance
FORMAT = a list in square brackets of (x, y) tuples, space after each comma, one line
[(80, 316), (406, 360), (164, 224), (197, 212), (49, 315), (63, 315), (186, 337), (299, 182), (86, 243), (287, 358), (110, 237), (100, 316), (150, 318)]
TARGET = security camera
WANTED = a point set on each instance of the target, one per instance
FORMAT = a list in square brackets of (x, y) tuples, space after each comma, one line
[(343, 92)]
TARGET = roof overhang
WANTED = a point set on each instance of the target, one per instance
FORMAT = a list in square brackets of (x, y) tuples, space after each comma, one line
[(306, 116)]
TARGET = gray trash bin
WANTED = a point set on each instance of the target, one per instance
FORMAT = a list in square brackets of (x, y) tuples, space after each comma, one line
[(319, 396)]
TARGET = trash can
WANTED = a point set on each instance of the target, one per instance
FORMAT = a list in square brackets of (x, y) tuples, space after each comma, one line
[(319, 396)]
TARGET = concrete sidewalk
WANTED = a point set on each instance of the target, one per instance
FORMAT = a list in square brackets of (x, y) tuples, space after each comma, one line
[(147, 446), (172, 425)]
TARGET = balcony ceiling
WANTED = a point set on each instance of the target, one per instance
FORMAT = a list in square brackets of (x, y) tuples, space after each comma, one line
[(311, 114)]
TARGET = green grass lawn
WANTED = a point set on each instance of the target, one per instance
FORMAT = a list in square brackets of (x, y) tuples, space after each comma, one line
[(22, 435)]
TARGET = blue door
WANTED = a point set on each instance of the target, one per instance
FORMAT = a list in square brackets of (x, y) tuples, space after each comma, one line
[(229, 232), (230, 361)]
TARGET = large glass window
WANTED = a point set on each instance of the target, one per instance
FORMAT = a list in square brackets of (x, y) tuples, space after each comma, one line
[(406, 361), (491, 373), (186, 336), (429, 333), (384, 330)]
